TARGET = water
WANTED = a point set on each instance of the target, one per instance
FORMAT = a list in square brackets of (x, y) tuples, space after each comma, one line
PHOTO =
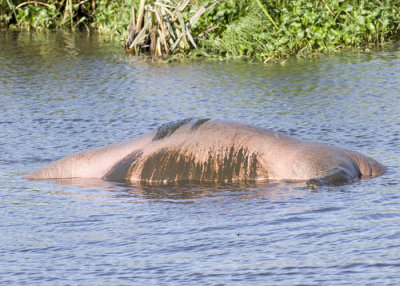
[(63, 93)]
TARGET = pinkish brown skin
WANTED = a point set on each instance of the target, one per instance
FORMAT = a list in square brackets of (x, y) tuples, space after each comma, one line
[(214, 150)]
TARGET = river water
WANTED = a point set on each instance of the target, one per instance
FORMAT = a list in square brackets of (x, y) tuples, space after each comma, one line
[(61, 93)]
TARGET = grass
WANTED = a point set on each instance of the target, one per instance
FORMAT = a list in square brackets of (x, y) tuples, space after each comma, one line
[(306, 28), (233, 29)]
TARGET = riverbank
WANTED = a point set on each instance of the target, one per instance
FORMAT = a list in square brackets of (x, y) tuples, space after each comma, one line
[(243, 29)]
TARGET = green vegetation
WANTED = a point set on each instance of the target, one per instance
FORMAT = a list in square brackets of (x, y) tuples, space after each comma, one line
[(105, 16), (307, 27), (265, 30)]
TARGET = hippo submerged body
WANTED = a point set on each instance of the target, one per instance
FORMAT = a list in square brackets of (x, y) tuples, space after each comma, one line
[(217, 151)]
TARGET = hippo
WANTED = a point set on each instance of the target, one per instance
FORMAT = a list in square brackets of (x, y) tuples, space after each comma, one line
[(211, 150)]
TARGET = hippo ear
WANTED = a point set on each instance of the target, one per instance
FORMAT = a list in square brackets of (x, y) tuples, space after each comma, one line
[(336, 177)]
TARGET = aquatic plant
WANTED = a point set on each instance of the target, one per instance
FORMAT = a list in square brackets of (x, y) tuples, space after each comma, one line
[(306, 27), (272, 30), (164, 28), (265, 30), (105, 16)]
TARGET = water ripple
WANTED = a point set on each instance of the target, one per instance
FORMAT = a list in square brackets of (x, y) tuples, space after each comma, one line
[(63, 93)]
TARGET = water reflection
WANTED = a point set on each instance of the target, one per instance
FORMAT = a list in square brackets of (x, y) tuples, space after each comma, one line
[(84, 188), (61, 93), (48, 45)]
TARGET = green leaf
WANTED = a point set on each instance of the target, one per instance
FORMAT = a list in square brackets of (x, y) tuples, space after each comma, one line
[(359, 20), (300, 35), (371, 26)]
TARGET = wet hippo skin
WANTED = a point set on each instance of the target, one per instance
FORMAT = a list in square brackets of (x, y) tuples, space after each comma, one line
[(207, 150)]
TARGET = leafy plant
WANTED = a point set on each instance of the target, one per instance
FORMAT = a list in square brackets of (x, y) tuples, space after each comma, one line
[(261, 29), (306, 27)]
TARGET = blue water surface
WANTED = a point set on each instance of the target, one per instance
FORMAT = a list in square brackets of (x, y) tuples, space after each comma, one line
[(61, 93)]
